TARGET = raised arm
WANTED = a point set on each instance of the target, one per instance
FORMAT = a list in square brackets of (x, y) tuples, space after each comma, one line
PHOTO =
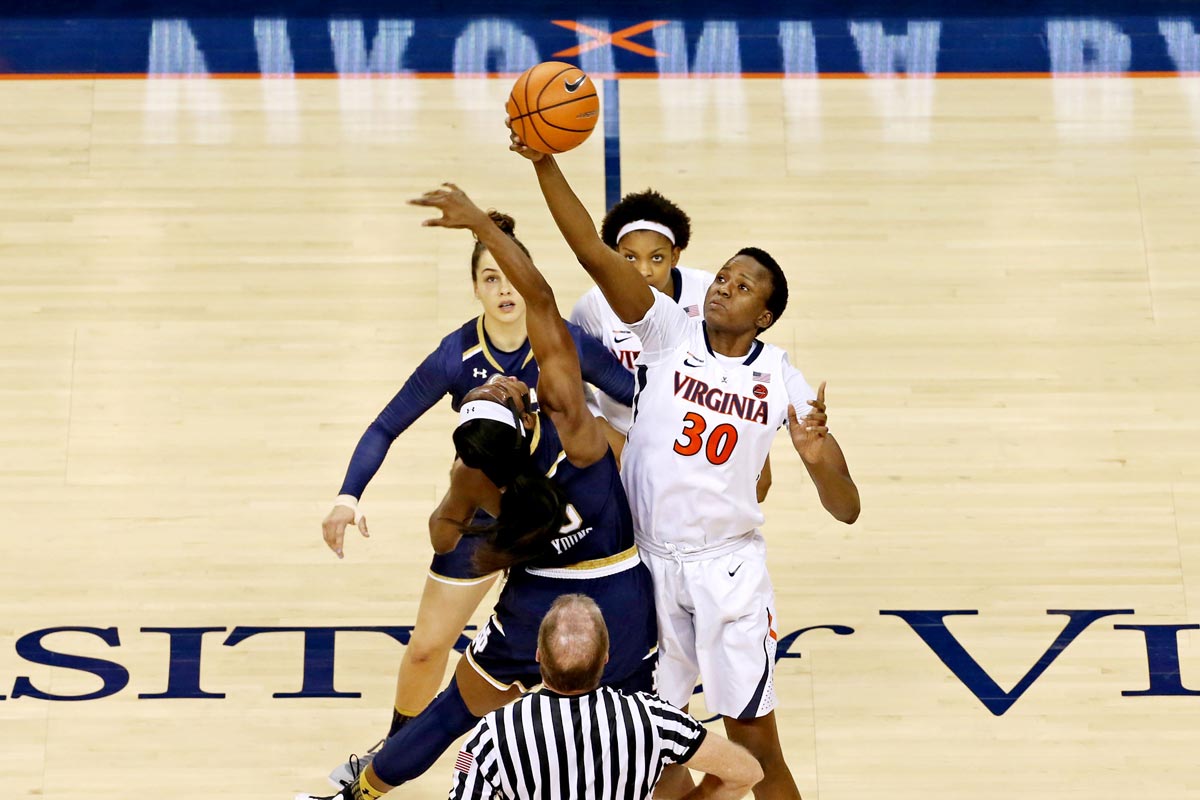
[(560, 382), (625, 289), (469, 489), (823, 458)]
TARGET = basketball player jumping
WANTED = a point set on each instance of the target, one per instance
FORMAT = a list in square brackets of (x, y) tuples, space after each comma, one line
[(710, 398)]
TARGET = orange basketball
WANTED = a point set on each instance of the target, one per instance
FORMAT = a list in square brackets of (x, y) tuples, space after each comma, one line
[(553, 107)]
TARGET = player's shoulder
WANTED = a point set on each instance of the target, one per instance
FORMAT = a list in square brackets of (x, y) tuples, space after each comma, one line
[(591, 305), (696, 277), (694, 285), (575, 329), (466, 335)]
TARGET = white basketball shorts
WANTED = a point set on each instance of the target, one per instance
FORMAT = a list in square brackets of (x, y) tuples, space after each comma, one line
[(716, 621)]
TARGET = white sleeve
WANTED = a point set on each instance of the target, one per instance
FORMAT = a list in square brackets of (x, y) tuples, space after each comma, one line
[(799, 392), (584, 314), (661, 330)]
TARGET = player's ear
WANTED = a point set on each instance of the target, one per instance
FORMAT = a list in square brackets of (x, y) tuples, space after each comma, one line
[(537, 655), (675, 251), (764, 320)]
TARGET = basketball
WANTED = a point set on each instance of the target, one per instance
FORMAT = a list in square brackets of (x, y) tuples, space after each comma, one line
[(553, 107)]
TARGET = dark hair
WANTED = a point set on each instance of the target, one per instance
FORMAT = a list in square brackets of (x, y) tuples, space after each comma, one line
[(505, 223), (575, 662), (777, 301), (532, 508), (648, 205)]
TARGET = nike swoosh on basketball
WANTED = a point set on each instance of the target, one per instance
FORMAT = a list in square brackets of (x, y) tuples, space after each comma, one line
[(573, 86), (735, 569)]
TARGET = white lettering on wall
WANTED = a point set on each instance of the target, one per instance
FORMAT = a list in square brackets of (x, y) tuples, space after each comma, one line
[(280, 102), (178, 79), (1183, 45), (684, 102), (801, 89), (905, 106), (1095, 108), (373, 108)]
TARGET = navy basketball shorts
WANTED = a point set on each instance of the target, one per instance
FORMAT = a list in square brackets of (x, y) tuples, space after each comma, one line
[(503, 650), (457, 567)]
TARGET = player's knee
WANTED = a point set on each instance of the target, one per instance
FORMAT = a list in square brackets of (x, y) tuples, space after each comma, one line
[(428, 649)]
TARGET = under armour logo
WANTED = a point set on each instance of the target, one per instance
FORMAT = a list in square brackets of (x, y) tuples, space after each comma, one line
[(479, 372)]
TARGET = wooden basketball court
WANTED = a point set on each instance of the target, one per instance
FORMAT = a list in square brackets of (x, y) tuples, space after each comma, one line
[(210, 287)]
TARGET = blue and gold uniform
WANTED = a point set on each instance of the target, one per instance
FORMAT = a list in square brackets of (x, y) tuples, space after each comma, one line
[(466, 358), (595, 555)]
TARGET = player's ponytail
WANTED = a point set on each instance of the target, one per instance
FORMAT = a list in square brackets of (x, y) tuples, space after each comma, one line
[(505, 223), (532, 510)]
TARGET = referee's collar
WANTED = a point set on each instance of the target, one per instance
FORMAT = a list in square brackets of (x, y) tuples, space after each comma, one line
[(546, 690)]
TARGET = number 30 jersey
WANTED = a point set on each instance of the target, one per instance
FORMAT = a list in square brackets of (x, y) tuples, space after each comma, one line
[(702, 427)]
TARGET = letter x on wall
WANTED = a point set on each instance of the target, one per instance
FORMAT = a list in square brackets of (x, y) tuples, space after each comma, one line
[(601, 38)]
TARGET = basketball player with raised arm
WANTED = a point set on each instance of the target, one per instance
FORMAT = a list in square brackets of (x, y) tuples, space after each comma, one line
[(710, 398), (561, 525), (650, 232)]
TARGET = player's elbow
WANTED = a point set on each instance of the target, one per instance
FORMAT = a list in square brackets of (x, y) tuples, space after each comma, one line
[(848, 513), (443, 535)]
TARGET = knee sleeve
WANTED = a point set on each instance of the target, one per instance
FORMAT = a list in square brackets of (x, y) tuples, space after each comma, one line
[(418, 744)]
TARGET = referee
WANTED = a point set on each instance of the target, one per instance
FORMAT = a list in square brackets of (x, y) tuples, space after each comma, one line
[(577, 740)]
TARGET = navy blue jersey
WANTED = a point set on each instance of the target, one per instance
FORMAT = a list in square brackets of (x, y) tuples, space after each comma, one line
[(599, 524), (593, 554), (465, 359)]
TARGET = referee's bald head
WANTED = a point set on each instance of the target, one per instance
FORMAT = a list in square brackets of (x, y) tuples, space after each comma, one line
[(573, 645)]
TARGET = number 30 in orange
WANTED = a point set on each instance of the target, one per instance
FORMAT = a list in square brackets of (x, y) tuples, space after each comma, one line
[(720, 442)]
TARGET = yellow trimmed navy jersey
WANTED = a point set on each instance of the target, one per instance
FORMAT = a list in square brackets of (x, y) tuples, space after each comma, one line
[(466, 358)]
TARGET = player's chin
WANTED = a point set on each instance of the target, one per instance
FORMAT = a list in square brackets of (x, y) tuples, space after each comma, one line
[(715, 312)]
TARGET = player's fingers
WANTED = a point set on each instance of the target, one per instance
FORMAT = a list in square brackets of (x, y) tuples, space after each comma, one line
[(792, 414), (451, 186), (334, 538), (816, 418), (821, 393), (362, 527)]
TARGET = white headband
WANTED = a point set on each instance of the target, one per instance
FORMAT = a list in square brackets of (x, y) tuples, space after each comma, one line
[(488, 409), (646, 225)]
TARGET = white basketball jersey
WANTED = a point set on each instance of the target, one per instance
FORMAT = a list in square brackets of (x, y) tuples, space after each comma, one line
[(595, 316), (702, 427)]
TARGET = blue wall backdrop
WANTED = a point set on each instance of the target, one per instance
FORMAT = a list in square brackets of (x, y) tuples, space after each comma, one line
[(613, 38)]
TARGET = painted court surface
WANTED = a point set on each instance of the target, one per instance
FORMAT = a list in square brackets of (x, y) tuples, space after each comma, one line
[(211, 283)]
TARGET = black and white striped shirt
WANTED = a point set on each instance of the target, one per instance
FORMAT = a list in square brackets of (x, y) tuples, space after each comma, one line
[(603, 745)]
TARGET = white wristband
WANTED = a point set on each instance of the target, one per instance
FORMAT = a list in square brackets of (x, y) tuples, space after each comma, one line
[(351, 502)]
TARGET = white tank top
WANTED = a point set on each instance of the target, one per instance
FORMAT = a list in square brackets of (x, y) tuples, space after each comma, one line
[(702, 427), (595, 316)]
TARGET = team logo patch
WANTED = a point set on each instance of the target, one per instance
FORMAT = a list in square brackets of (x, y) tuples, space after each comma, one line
[(464, 761), (759, 390)]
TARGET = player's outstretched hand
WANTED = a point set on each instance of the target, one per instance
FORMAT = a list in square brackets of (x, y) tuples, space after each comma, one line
[(457, 209), (810, 432), (517, 146), (333, 527)]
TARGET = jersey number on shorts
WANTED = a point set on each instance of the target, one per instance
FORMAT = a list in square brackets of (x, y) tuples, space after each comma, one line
[(720, 444)]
